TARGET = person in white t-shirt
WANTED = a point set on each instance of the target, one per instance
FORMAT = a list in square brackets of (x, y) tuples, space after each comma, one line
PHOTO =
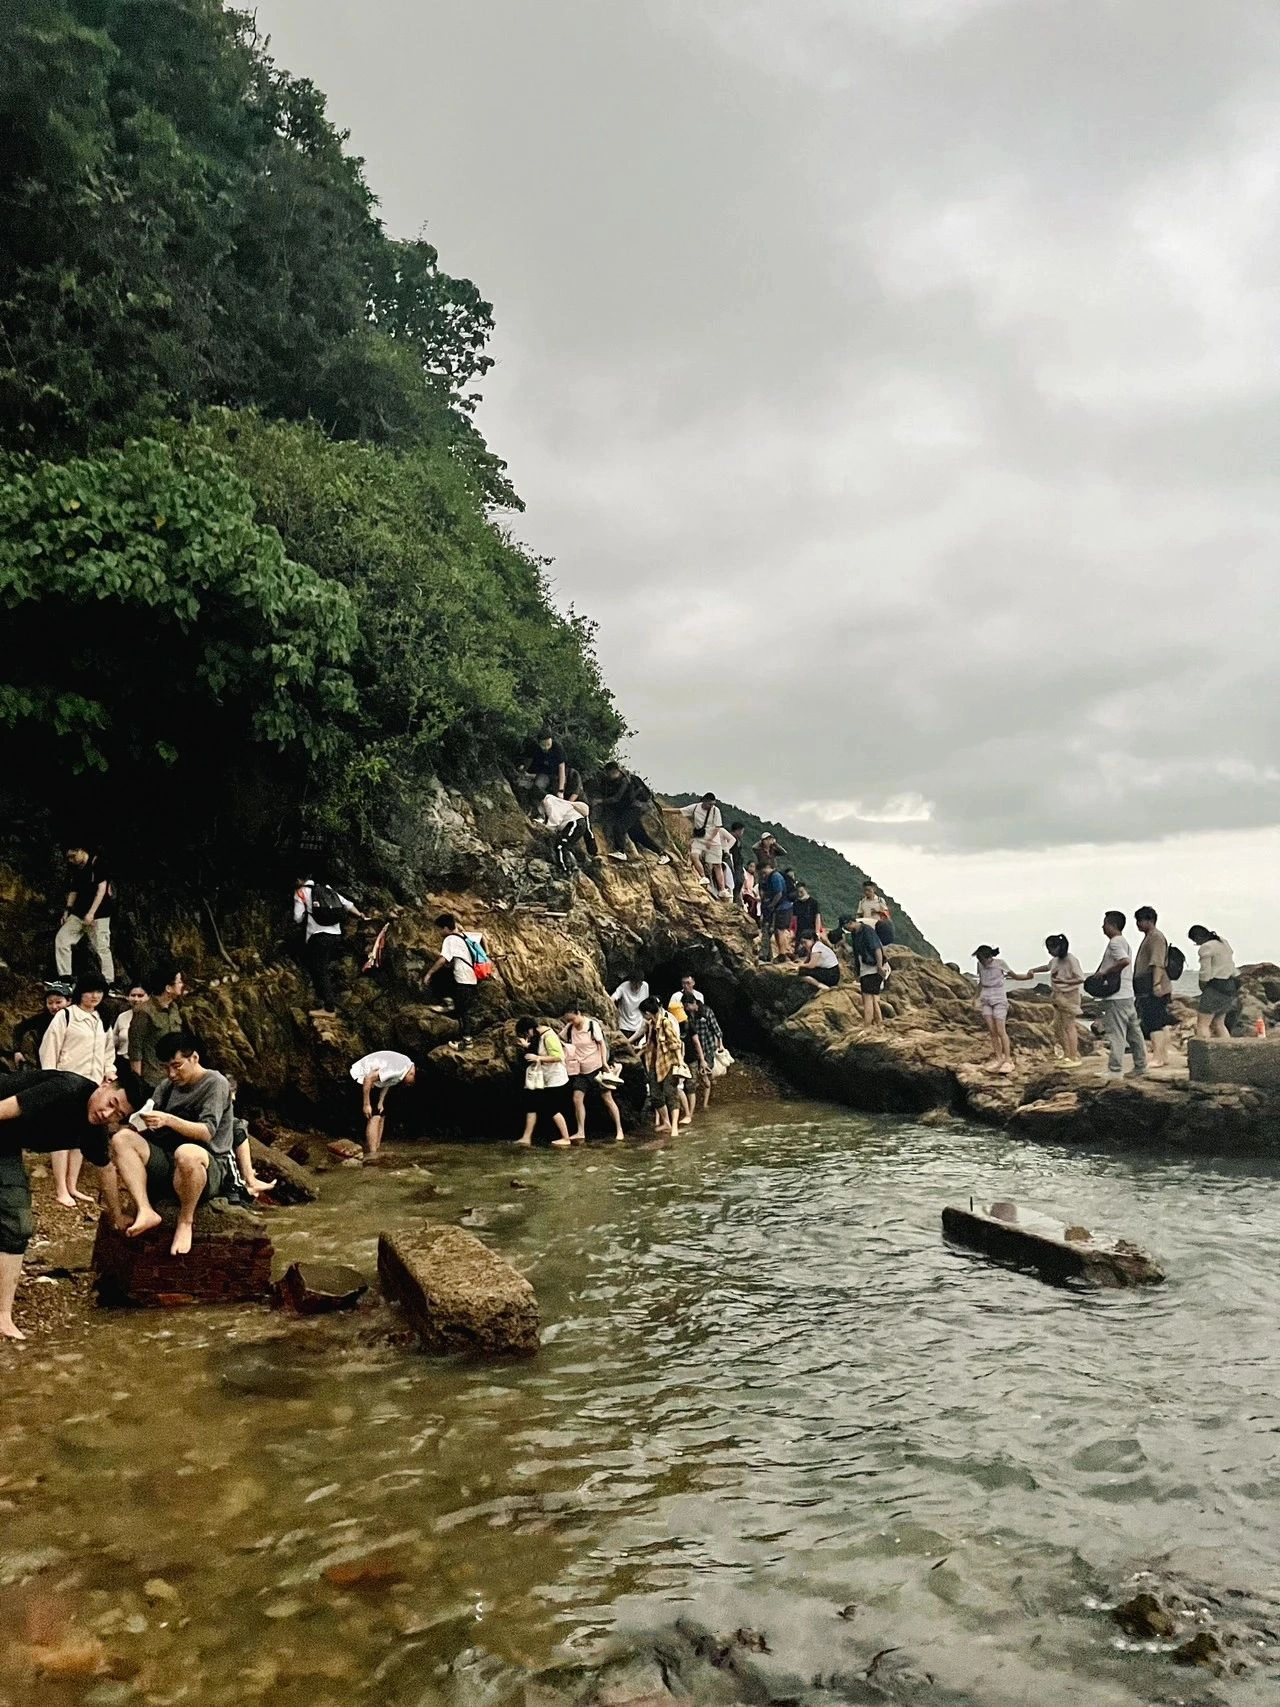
[(1119, 1010), (377, 1074), (570, 817), (708, 849), (455, 968), (687, 991), (627, 999), (819, 966)]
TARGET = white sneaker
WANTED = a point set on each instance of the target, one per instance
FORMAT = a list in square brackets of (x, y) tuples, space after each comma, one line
[(620, 857), (664, 859)]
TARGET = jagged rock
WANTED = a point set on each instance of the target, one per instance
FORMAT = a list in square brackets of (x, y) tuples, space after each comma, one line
[(316, 1288), (1203, 1649), (1143, 1618), (290, 1183), (344, 1150), (1037, 1244), (229, 1261), (1138, 1113), (459, 1294)]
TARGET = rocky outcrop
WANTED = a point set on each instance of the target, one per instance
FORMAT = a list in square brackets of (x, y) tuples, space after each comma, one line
[(1146, 1113), (458, 1294), (229, 1261)]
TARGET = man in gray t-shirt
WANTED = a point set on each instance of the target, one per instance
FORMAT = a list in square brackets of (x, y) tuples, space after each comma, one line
[(185, 1152)]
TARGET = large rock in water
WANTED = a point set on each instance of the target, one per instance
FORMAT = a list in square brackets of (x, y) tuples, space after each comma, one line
[(1036, 1243), (290, 1181), (1144, 1113), (459, 1295), (229, 1261)]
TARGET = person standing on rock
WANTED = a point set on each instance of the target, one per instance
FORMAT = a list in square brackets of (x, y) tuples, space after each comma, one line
[(76, 1043), (322, 907), (993, 1003), (1119, 1012), (185, 1155), (773, 891), (768, 850), (706, 849), (808, 914), (868, 953), (546, 1082), (90, 902), (1219, 982), (735, 854), (873, 910), (587, 1056), (750, 896), (1152, 985), (1066, 981), (663, 1051), (155, 1021), (628, 998), (624, 800), (377, 1076), (43, 1112)]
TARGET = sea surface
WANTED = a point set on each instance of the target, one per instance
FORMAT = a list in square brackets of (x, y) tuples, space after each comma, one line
[(769, 1395)]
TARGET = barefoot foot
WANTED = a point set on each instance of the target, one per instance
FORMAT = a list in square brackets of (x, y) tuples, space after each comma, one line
[(181, 1239), (562, 1143), (9, 1330), (83, 1197), (65, 1200), (522, 1143), (143, 1222)]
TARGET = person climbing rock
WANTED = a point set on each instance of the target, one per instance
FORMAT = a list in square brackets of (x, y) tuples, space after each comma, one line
[(624, 800), (322, 908), (90, 904), (455, 973), (819, 966)]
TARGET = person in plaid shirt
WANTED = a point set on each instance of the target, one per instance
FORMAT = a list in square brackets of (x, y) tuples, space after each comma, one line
[(705, 1037)]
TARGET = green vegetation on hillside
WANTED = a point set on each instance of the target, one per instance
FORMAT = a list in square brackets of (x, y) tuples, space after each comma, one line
[(836, 881), (250, 573)]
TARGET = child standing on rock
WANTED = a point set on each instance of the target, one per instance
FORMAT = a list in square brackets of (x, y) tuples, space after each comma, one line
[(993, 1003)]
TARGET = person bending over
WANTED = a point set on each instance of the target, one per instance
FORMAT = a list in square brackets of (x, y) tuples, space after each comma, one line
[(44, 1112), (184, 1155), (377, 1075)]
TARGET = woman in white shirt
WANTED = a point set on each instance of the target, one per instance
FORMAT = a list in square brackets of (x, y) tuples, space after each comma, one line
[(820, 968), (76, 1043), (1219, 982), (1066, 982)]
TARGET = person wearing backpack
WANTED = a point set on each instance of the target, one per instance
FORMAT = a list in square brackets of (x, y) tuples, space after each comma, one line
[(463, 964), (587, 1057), (323, 909), (1153, 978), (624, 800)]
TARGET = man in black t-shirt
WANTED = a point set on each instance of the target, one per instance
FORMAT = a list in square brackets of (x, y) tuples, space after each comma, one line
[(90, 901), (44, 1112), (545, 766)]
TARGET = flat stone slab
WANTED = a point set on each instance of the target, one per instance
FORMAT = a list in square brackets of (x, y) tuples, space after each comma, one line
[(1038, 1244), (229, 1262), (459, 1295), (1235, 1061)]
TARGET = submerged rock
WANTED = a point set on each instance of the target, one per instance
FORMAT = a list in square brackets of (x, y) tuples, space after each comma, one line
[(316, 1288), (290, 1182), (459, 1295), (1144, 1618)]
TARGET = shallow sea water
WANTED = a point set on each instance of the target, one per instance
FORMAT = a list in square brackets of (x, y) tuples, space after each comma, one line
[(768, 1391)]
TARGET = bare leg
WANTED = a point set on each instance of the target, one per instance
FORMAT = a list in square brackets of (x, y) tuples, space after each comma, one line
[(10, 1269), (580, 1113), (74, 1163), (563, 1141), (685, 1109), (526, 1137), (1004, 1046), (1203, 1023), (868, 1010), (878, 1013), (1218, 1027), (675, 1119), (129, 1153), (190, 1176), (607, 1099), (60, 1161)]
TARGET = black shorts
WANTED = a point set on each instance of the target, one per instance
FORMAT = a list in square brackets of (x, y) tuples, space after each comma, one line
[(1153, 1014), (160, 1176), (828, 975), (550, 1101), (16, 1221), (871, 983)]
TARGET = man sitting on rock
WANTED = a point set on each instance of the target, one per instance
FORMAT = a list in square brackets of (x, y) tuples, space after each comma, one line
[(188, 1156), (44, 1112)]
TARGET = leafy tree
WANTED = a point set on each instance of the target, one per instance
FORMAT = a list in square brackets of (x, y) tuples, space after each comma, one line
[(156, 633)]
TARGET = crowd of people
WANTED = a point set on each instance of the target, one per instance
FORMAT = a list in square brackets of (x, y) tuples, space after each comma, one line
[(1133, 989), (134, 1096)]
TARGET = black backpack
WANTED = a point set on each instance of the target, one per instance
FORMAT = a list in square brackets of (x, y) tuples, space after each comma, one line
[(1176, 964), (326, 905)]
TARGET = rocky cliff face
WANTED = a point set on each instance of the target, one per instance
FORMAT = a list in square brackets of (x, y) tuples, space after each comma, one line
[(552, 939)]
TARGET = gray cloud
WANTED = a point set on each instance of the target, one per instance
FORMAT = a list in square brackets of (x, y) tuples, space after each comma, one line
[(896, 385)]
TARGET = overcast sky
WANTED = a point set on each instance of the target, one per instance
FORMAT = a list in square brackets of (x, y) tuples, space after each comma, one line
[(897, 383)]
